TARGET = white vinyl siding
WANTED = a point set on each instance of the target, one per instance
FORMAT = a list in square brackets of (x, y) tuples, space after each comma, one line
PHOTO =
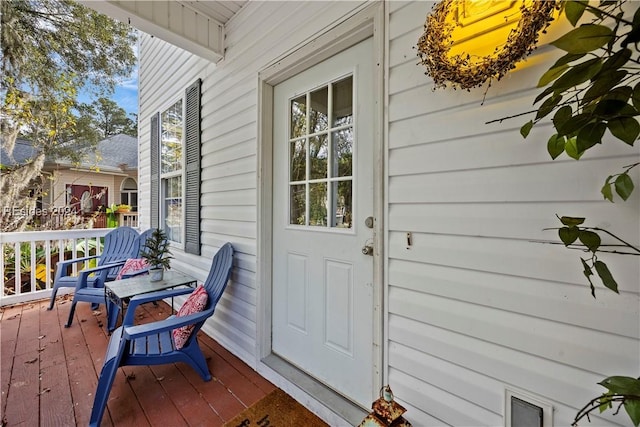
[(260, 33), (477, 303)]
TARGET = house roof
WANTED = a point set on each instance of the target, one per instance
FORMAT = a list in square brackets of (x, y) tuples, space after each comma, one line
[(118, 153), (22, 152)]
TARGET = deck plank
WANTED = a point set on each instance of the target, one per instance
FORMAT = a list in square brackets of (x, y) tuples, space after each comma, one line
[(49, 374)]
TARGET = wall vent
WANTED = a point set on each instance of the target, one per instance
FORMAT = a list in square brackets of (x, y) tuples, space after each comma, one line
[(524, 409)]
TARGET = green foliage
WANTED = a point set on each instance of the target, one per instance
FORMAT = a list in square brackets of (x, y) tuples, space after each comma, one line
[(622, 391), (51, 49), (107, 118), (156, 250), (593, 89), (592, 94)]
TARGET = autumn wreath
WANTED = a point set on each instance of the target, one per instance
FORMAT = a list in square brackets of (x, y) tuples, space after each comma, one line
[(463, 71)]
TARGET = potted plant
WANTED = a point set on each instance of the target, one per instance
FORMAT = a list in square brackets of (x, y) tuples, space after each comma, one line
[(157, 254), (123, 208)]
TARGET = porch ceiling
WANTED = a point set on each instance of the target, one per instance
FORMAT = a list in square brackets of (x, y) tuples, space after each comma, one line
[(194, 25)]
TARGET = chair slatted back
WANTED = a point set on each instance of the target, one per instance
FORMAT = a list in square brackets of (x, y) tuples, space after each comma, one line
[(120, 243)]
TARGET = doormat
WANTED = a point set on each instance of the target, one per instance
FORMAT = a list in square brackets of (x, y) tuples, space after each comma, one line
[(277, 409)]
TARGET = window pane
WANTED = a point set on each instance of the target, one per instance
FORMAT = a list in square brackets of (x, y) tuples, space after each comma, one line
[(298, 161), (297, 202), (319, 115), (342, 146), (342, 200), (173, 208), (318, 204), (343, 102), (318, 154), (171, 138), (298, 117)]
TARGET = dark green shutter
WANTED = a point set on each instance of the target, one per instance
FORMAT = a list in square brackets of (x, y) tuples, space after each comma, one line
[(155, 171), (192, 169)]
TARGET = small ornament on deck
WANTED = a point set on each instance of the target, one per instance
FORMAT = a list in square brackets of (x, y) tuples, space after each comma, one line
[(386, 412)]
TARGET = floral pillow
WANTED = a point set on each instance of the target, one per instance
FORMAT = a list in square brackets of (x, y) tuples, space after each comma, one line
[(196, 302), (132, 265)]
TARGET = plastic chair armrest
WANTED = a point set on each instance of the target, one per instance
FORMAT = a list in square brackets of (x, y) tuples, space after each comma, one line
[(168, 324), (150, 297)]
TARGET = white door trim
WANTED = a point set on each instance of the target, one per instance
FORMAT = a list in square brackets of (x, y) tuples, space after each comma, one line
[(364, 23)]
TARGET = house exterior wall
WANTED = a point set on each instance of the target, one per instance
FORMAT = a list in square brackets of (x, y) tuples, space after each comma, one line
[(476, 303), (61, 178)]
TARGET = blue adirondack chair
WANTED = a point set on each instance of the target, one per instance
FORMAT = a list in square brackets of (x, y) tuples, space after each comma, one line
[(152, 343), (119, 244)]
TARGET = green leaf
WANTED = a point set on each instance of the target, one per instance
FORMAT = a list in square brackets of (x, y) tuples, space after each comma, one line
[(576, 123), (562, 115), (590, 239), (571, 148), (574, 10), (617, 60), (602, 85), (605, 276), (632, 406), (624, 185), (625, 129), (605, 401), (609, 108), (635, 96), (526, 128), (568, 235), (555, 146), (607, 192), (588, 273), (548, 106), (584, 39), (552, 74), (622, 385), (590, 135), (577, 75), (571, 221), (567, 58), (543, 95)]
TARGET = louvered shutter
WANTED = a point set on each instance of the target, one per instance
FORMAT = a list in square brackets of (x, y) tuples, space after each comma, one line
[(192, 169), (155, 171)]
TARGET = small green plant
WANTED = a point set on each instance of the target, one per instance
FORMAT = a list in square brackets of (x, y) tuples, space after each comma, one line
[(156, 250)]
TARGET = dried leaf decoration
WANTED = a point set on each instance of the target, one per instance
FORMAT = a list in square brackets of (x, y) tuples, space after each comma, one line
[(458, 70)]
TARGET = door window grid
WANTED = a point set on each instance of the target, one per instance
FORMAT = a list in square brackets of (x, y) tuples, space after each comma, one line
[(321, 156)]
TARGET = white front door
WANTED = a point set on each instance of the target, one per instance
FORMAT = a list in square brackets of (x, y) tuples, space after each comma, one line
[(322, 196)]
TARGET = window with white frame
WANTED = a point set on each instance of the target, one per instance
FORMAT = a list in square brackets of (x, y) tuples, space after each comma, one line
[(175, 170), (171, 144)]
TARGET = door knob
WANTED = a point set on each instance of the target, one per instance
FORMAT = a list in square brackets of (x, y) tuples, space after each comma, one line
[(367, 249)]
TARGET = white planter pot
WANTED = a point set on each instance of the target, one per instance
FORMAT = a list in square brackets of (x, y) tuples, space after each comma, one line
[(156, 274)]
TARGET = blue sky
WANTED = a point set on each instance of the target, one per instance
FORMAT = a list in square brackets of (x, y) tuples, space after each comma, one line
[(126, 92)]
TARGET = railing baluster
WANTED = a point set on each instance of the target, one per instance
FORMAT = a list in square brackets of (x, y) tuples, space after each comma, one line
[(12, 289)]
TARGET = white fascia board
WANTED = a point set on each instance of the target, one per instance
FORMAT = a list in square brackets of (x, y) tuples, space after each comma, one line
[(170, 21)]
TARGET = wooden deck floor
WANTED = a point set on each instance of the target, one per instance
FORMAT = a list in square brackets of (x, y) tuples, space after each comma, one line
[(49, 374)]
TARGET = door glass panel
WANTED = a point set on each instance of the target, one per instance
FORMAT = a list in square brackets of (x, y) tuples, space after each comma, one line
[(343, 102), (298, 161), (318, 154), (321, 156), (297, 195), (318, 204), (343, 203), (298, 116), (342, 147), (319, 116)]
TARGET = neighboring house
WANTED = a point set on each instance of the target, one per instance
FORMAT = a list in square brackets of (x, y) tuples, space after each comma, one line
[(107, 176), (460, 307)]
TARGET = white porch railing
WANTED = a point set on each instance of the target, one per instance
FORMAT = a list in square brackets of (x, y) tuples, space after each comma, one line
[(28, 260)]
